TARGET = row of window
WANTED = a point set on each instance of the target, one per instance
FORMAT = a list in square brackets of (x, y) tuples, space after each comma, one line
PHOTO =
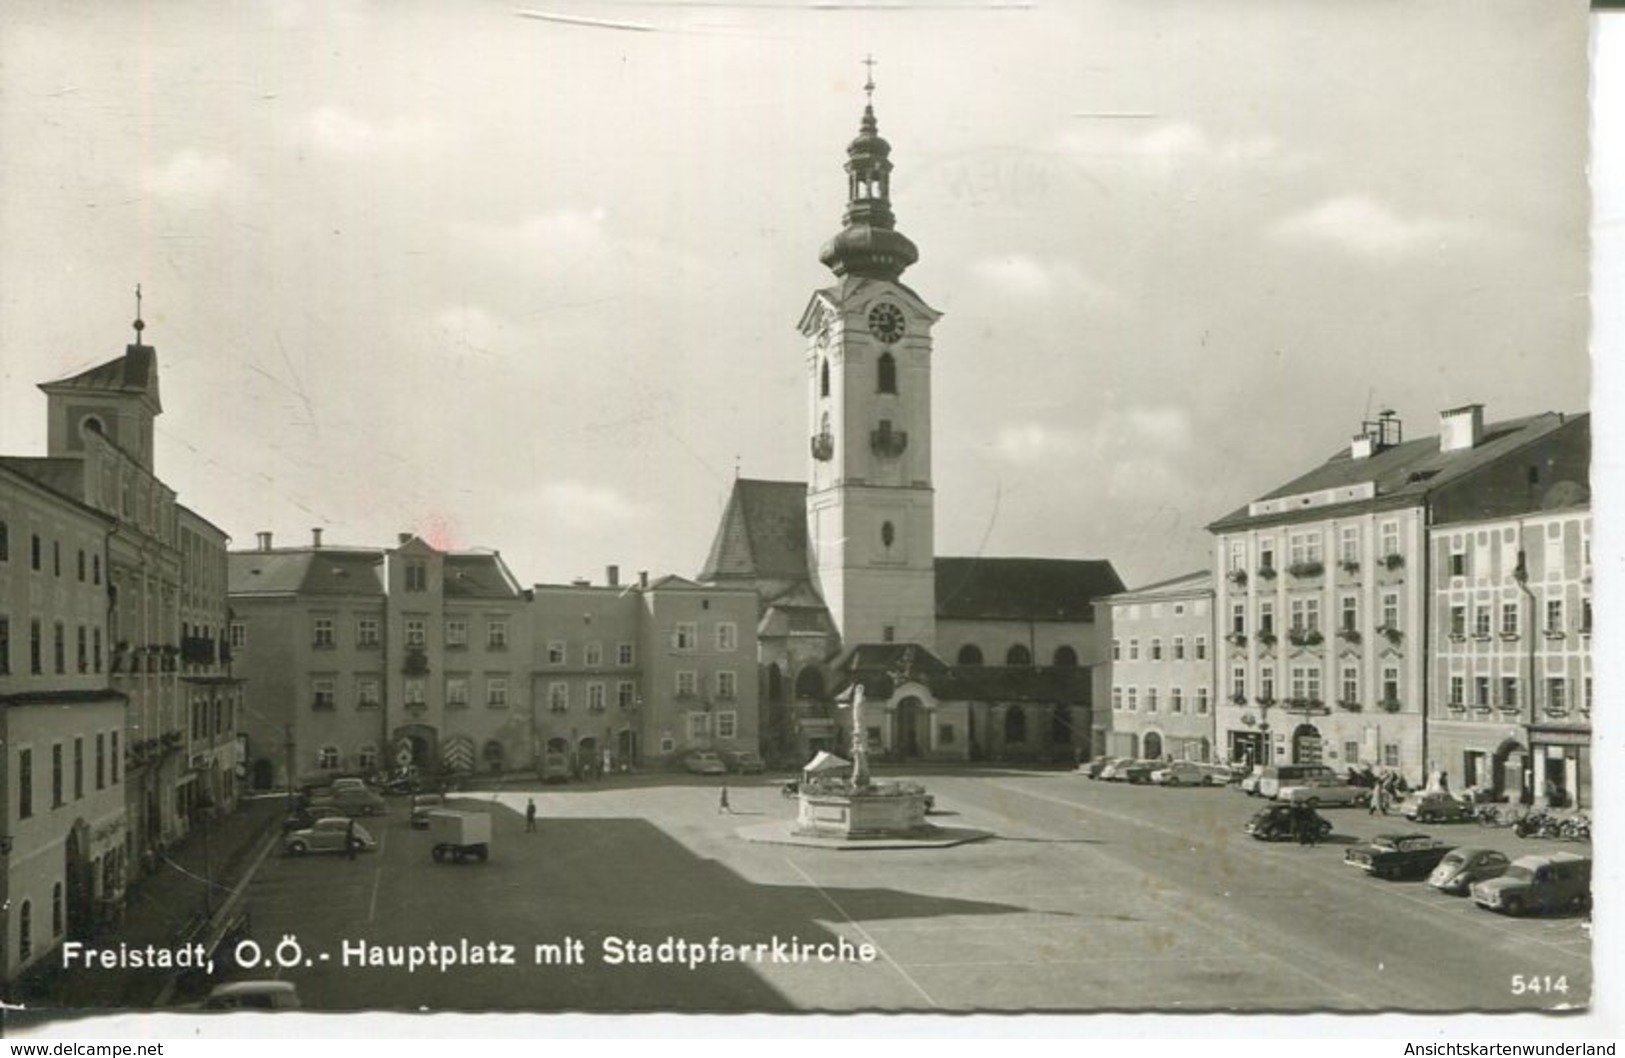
[(1479, 619), (722, 724), (1305, 547), (1460, 565), (1305, 684), (1018, 654), (1556, 687), (87, 640), (106, 771), (1305, 615), (1128, 699), (89, 566), (885, 375), (1176, 649)]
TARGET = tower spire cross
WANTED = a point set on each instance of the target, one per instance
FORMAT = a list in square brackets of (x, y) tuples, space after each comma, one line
[(869, 82), (140, 324)]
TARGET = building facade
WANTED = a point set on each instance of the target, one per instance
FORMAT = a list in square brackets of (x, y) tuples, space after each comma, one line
[(1163, 671), (1323, 586), (1510, 707), (63, 818)]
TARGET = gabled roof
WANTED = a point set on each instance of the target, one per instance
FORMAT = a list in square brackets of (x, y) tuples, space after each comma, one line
[(1022, 589), (63, 476), (478, 575), (763, 534), (306, 571), (1403, 475), (136, 372)]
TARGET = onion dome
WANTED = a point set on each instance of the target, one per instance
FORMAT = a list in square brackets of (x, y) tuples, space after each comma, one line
[(869, 244)]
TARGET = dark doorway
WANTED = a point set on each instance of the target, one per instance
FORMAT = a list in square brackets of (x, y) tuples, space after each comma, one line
[(80, 878), (1151, 748), (910, 721), (1307, 745)]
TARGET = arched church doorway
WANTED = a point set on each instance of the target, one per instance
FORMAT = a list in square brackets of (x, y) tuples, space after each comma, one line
[(910, 730), (1151, 746)]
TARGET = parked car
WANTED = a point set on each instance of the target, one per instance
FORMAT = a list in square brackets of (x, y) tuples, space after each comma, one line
[(252, 995), (1398, 855), (326, 835), (1249, 782), (1222, 774), (555, 767), (422, 805), (1557, 882), (1180, 773), (704, 762), (1093, 768), (1131, 771), (1436, 806), (1324, 792), (1460, 868), (744, 761), (298, 819), (1279, 822), (360, 800), (1276, 776)]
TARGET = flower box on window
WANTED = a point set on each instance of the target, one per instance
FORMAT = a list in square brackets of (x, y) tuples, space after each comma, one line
[(1349, 566), (1238, 639), (1392, 634), (1305, 637), (1393, 560), (1348, 635), (1267, 572), (1238, 699), (1238, 577), (1390, 705), (1303, 570), (1267, 638), (1350, 706)]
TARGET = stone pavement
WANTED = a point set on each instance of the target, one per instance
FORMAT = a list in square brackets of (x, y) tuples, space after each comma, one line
[(165, 909)]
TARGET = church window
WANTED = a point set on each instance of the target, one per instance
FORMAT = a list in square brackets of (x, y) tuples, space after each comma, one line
[(823, 378), (970, 654), (1018, 654), (888, 533), (887, 381), (1065, 657), (1015, 725)]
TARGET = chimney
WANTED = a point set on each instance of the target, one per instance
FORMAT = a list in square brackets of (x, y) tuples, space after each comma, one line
[(612, 576), (265, 540), (1384, 432), (643, 579), (1461, 429), (402, 539), (316, 536)]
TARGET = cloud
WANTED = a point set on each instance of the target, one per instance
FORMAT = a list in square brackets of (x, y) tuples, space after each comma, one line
[(578, 506), (1363, 226), (1121, 434), (1170, 142), (1025, 276), (193, 175), (340, 134)]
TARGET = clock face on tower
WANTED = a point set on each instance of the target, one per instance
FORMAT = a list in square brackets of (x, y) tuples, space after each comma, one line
[(886, 322)]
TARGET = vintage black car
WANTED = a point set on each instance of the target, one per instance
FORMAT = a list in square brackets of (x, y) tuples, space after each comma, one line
[(1398, 855), (1281, 822)]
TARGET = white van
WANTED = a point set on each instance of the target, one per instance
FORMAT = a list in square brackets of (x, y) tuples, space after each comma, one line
[(1275, 776)]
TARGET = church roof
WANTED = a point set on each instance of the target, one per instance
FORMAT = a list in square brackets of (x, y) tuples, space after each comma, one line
[(763, 535), (1022, 589), (135, 372)]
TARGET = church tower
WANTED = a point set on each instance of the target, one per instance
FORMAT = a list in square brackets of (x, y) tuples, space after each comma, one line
[(869, 491)]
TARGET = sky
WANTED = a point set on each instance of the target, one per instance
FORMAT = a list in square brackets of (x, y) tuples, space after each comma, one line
[(526, 275)]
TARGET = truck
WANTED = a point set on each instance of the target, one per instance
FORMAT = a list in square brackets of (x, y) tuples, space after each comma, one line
[(459, 836)]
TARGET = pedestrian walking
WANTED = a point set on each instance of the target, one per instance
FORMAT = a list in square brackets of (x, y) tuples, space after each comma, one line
[(722, 803), (349, 840), (530, 816)]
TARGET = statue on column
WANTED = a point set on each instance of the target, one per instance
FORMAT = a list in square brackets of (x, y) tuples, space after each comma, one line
[(860, 741)]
